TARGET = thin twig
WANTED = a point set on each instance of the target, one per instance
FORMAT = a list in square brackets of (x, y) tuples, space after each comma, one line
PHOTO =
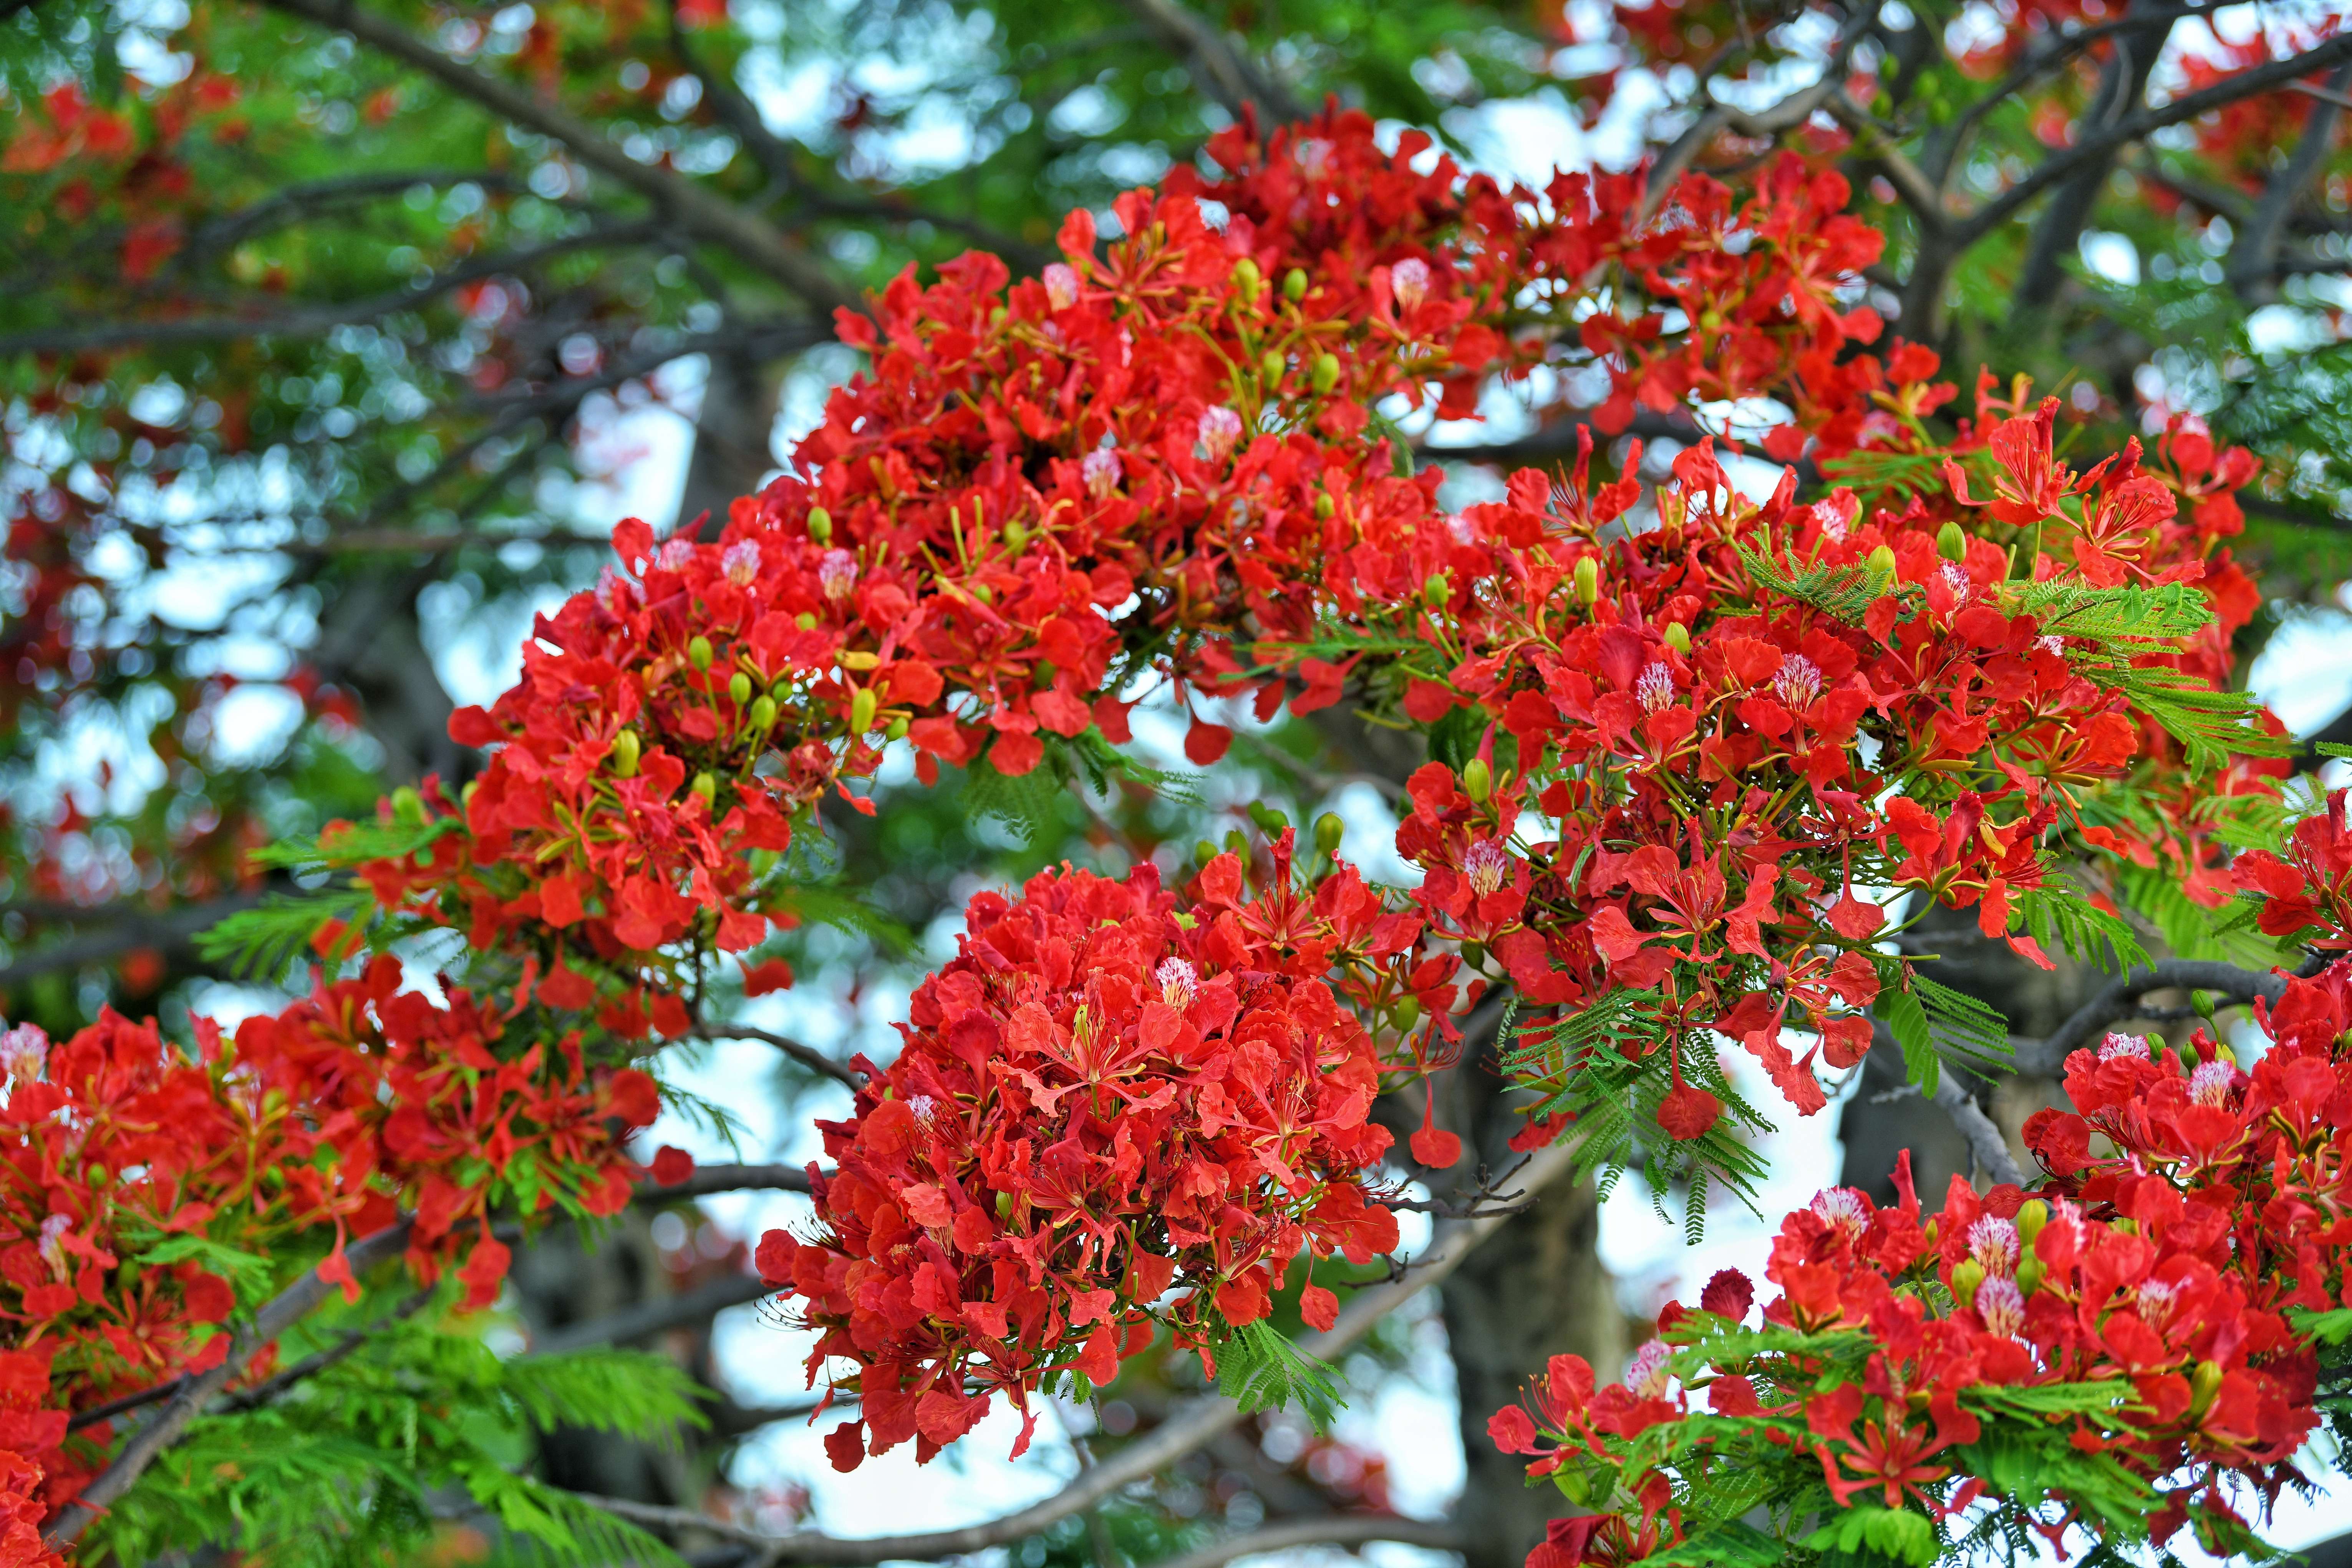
[(808, 1056)]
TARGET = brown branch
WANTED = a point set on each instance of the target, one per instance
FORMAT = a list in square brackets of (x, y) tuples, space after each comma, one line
[(808, 1056), (1984, 1138), (318, 318), (2114, 1004), (1338, 1530), (2253, 264), (288, 1306), (1217, 67), (2099, 143), (695, 207), (656, 1317), (708, 1179), (121, 929)]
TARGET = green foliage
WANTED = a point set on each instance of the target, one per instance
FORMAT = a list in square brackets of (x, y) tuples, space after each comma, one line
[(1845, 593), (1868, 1532), (1261, 1368), (362, 1459), (2057, 914), (2112, 617), (265, 941), (1932, 1022), (2211, 726), (2189, 928), (1610, 1065)]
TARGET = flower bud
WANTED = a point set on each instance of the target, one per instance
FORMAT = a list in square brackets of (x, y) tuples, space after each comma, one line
[(2029, 1275), (1408, 1012), (1478, 780), (763, 712), (2204, 1383), (1881, 562), (820, 525), (1003, 1206), (1324, 505), (1203, 852), (625, 746), (805, 620), (983, 592), (407, 807), (2032, 1215), (699, 652), (1435, 590), (1294, 285), (1951, 543), (1966, 1278), (1327, 373), (1270, 367), (739, 686), (1678, 636), (1016, 533), (861, 711), (1248, 279), (1588, 581), (898, 729), (706, 786), (1328, 830), (1474, 953)]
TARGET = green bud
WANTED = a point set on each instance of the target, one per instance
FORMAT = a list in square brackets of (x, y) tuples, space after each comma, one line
[(861, 711), (805, 620), (739, 686), (1329, 831), (1248, 279), (1003, 1206), (1327, 373), (2029, 1276), (763, 712), (1478, 780), (2204, 1383), (898, 729), (1238, 845), (626, 748), (1294, 285), (407, 807), (1474, 953), (1436, 590), (1408, 1013), (1881, 562), (1678, 636), (1324, 505), (466, 795), (1269, 821), (1270, 367), (1588, 581), (2202, 1001), (983, 592), (996, 316), (1951, 543), (1016, 533), (1203, 852), (820, 525), (1966, 1278), (706, 786), (699, 652), (2032, 1215)]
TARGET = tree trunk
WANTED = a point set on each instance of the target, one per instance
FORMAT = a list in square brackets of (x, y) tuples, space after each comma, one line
[(733, 441)]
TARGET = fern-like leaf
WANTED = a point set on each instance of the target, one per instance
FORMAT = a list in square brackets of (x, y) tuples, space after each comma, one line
[(1261, 1368)]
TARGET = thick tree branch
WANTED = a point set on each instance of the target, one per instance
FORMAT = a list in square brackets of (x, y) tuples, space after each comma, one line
[(1339, 1530), (2115, 1001), (317, 319), (288, 1306), (1985, 1141), (1190, 1428), (2098, 144), (118, 929), (695, 207), (809, 1056), (708, 1179), (651, 1318), (1218, 67)]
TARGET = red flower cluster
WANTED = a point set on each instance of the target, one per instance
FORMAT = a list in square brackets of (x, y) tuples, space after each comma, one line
[(2160, 1307), (326, 1120), (1109, 1095)]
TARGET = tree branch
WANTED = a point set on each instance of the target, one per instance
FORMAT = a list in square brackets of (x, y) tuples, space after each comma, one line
[(808, 1056), (288, 1306), (2098, 144), (1218, 68), (125, 929), (699, 209), (2114, 1004), (650, 1318), (2253, 253), (1339, 1530), (1985, 1141), (708, 1179)]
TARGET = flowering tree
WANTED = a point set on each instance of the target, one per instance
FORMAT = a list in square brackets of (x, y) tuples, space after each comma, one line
[(1700, 751)]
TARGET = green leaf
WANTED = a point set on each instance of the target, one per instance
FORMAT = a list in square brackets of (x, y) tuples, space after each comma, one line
[(1261, 1368), (1899, 1533), (1846, 593), (2058, 914), (263, 943)]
